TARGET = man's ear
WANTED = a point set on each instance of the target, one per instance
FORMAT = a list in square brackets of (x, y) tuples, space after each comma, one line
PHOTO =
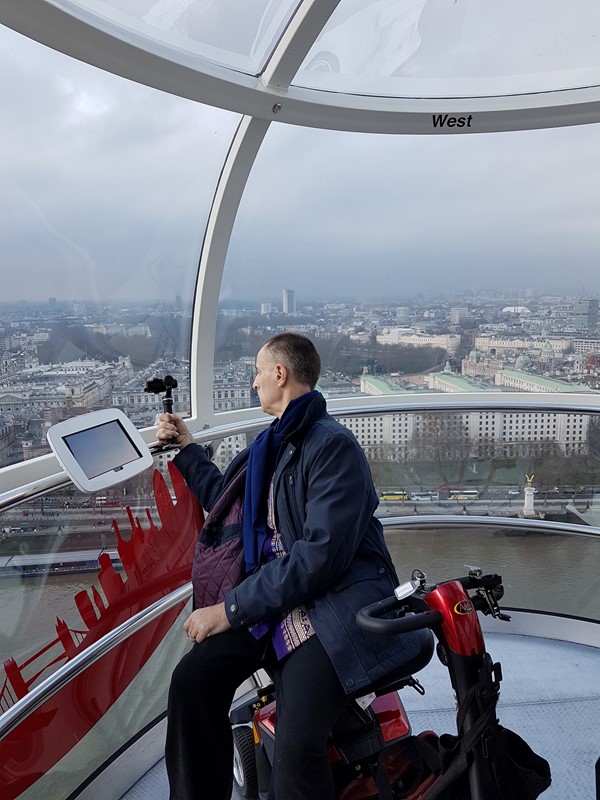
[(281, 374)]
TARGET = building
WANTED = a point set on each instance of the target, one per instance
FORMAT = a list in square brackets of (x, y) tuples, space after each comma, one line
[(232, 385), (403, 315), (383, 437), (228, 450), (7, 439), (480, 365), (586, 346), (585, 314), (517, 380), (457, 315), (473, 434), (378, 386), (498, 344), (450, 342), (289, 301)]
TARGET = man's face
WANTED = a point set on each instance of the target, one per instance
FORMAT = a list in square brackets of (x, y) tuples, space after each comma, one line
[(266, 383)]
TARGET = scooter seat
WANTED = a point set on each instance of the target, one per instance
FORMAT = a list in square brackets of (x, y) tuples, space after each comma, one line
[(401, 677)]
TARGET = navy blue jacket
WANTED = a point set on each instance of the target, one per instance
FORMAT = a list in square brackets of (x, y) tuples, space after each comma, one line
[(337, 560)]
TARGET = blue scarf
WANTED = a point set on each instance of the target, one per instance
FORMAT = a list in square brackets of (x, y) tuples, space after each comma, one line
[(261, 468)]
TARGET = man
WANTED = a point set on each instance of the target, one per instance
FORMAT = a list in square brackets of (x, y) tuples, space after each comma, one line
[(314, 554)]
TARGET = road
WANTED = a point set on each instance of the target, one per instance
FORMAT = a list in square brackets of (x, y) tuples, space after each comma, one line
[(492, 500)]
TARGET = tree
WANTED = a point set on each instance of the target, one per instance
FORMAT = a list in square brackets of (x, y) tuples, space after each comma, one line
[(443, 439)]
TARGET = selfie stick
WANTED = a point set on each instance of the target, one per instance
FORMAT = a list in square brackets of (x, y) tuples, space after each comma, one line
[(158, 385)]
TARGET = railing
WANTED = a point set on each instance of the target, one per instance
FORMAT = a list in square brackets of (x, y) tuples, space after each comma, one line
[(238, 422), (44, 690), (435, 521)]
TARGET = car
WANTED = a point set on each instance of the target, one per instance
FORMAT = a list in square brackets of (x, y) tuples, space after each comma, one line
[(514, 492)]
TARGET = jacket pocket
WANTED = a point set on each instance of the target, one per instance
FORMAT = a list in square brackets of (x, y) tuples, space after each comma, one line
[(289, 509)]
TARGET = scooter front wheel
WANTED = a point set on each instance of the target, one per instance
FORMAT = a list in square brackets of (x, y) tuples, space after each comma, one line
[(244, 762)]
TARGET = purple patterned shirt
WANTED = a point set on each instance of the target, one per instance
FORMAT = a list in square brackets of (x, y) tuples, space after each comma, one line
[(294, 628)]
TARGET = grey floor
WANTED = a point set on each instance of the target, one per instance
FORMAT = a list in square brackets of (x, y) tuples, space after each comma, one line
[(550, 696)]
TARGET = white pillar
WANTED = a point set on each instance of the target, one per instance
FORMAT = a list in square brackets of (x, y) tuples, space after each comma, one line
[(528, 505)]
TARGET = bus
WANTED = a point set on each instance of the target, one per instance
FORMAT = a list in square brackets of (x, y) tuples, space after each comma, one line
[(392, 497), (463, 494), (425, 497)]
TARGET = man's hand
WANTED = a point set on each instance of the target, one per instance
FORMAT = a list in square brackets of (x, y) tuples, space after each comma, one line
[(172, 429), (205, 622)]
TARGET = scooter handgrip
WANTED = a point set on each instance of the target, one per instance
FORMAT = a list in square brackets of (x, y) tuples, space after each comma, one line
[(369, 619)]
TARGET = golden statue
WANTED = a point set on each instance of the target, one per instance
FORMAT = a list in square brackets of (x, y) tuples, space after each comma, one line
[(529, 479)]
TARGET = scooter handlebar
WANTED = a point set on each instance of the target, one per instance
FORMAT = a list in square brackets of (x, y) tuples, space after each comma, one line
[(371, 619), (417, 615)]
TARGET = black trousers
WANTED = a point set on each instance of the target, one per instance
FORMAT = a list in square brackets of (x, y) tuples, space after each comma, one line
[(199, 747)]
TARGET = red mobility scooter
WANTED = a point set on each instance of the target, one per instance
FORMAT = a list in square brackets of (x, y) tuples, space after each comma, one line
[(373, 752)]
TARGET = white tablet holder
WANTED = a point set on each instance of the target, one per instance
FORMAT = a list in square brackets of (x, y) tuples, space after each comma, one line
[(99, 449)]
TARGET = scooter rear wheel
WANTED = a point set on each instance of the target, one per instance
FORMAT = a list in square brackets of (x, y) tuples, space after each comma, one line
[(244, 762)]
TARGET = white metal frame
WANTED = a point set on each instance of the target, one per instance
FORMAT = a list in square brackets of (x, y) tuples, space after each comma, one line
[(269, 96), (29, 479)]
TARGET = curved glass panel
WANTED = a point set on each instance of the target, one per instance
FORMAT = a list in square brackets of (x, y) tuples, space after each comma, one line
[(105, 191), (56, 604), (420, 263), (444, 48), (73, 569), (138, 708), (547, 572), (60, 545), (237, 35)]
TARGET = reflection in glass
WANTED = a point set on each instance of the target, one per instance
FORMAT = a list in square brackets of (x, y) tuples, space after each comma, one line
[(237, 35), (49, 551), (441, 48)]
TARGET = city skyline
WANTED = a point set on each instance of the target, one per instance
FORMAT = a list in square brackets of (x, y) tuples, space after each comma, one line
[(59, 359), (507, 296)]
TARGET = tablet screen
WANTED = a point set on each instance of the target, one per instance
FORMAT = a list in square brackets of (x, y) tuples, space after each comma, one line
[(102, 448)]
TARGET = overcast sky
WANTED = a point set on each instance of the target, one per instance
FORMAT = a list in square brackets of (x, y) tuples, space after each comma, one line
[(105, 187)]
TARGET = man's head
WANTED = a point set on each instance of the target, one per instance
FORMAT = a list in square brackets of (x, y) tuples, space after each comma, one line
[(287, 366)]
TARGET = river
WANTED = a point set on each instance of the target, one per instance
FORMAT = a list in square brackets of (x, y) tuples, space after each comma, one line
[(547, 572)]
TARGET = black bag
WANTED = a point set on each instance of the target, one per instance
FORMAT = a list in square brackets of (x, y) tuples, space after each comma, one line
[(512, 770), (520, 774)]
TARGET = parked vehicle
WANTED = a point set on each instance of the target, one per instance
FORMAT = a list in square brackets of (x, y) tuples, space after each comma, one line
[(463, 494), (425, 497)]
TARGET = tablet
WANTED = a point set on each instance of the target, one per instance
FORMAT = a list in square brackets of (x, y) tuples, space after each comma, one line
[(99, 449)]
